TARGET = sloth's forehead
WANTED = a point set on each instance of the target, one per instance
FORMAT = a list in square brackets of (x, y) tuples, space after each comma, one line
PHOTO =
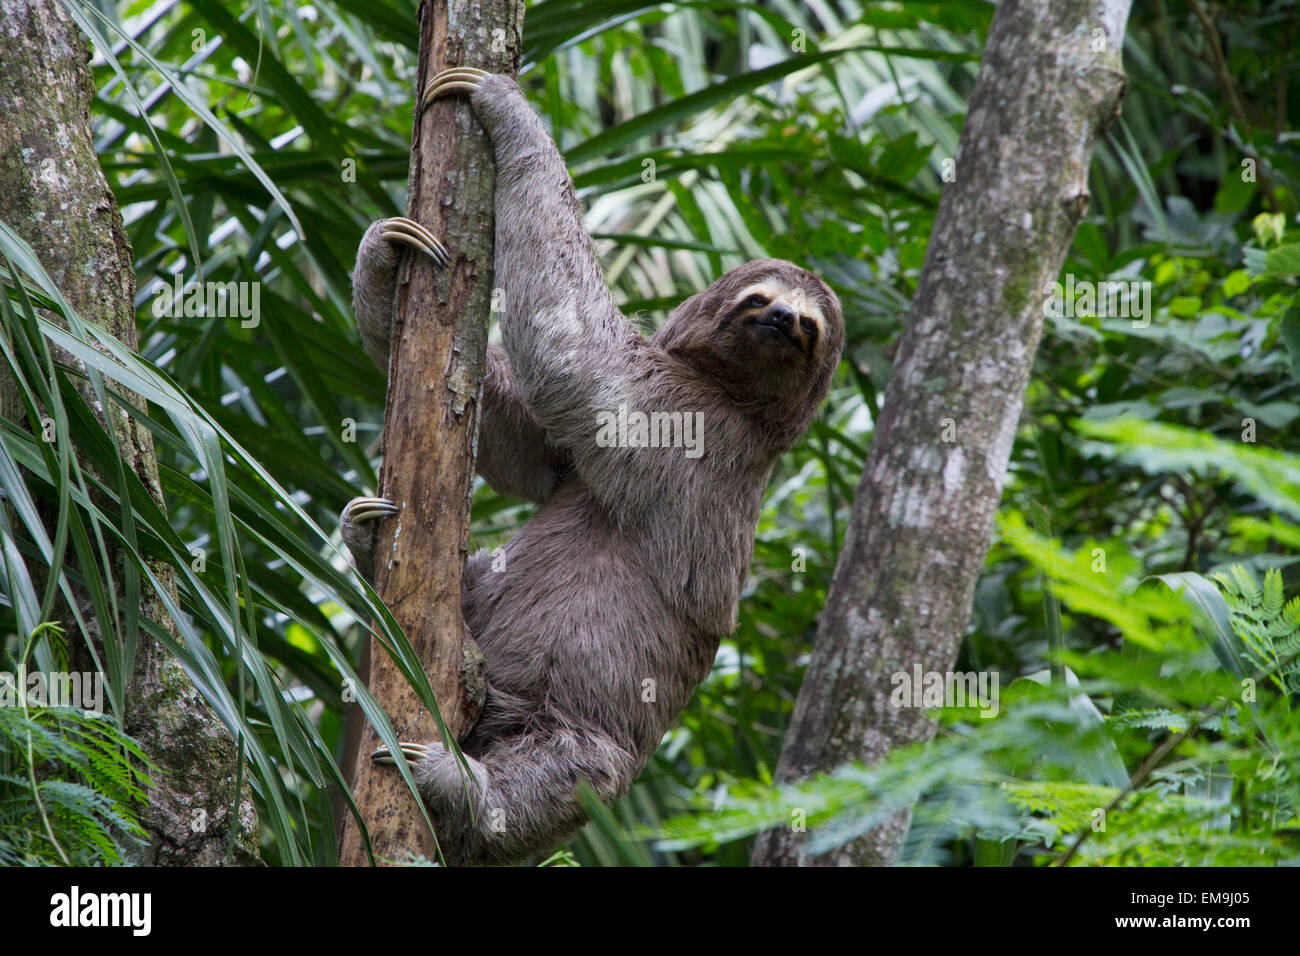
[(774, 290)]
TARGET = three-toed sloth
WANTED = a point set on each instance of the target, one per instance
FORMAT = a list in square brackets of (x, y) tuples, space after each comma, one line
[(611, 601)]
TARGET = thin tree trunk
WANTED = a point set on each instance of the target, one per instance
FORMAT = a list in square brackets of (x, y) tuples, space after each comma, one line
[(53, 194), (1050, 82), (431, 419)]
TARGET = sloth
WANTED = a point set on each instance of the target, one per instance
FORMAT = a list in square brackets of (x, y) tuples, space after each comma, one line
[(605, 611)]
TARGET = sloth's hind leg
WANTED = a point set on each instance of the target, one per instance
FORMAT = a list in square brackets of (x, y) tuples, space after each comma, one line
[(521, 796), (375, 277)]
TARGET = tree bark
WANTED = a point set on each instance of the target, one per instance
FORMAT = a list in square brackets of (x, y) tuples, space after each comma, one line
[(431, 419), (53, 194), (923, 515)]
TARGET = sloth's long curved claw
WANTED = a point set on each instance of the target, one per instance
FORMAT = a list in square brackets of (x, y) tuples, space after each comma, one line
[(458, 79), (413, 753), (410, 232), (360, 510)]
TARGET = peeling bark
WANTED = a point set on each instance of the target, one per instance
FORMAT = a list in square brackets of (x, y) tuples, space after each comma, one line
[(431, 419), (923, 513), (53, 194)]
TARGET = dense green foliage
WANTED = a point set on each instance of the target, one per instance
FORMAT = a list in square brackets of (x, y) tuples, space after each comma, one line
[(71, 782), (816, 133)]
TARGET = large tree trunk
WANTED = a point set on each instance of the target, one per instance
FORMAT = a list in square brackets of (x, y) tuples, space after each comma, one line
[(431, 420), (53, 194), (1050, 82)]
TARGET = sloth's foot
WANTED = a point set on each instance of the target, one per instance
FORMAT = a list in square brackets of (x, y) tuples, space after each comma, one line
[(413, 753), (357, 529), (438, 774), (458, 79), (399, 229)]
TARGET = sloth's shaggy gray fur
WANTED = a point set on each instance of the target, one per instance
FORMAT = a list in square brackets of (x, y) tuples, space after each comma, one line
[(613, 598)]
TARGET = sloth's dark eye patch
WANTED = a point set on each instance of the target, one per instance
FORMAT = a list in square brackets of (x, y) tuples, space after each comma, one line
[(755, 301), (807, 324)]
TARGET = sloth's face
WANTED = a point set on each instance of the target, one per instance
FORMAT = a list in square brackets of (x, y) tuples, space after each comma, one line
[(769, 332), (778, 333), (777, 317)]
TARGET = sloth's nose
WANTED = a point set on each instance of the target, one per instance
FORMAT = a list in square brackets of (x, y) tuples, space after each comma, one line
[(780, 316)]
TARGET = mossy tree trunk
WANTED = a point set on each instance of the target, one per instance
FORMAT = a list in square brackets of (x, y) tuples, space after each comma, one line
[(54, 195), (1050, 82)]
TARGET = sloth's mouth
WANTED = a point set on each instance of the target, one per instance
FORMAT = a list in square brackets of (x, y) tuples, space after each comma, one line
[(771, 328)]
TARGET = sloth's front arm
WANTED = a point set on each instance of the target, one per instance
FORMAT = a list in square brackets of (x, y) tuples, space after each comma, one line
[(514, 454), (573, 354)]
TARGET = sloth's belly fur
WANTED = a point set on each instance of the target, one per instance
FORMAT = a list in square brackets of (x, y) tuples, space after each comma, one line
[(600, 648)]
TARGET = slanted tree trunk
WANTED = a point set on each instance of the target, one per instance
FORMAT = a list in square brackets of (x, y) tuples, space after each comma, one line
[(1050, 82), (431, 419), (54, 195)]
